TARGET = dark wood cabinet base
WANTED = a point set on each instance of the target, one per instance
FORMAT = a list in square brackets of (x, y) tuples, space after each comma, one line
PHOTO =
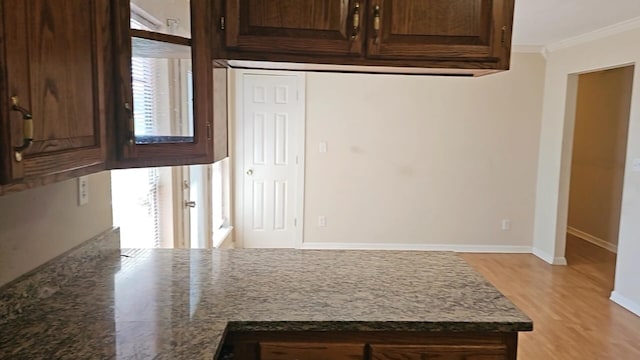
[(383, 345)]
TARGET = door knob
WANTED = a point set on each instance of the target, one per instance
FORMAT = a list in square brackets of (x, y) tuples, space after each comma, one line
[(189, 204), (250, 172)]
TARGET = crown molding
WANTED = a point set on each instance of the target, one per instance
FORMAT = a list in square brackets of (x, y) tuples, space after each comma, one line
[(595, 35)]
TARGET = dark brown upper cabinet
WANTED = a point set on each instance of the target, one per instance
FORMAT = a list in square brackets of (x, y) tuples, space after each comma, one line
[(438, 29), (299, 27), (467, 37), (89, 85), (165, 84), (54, 86)]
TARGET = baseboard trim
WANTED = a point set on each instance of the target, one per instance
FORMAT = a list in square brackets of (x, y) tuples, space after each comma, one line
[(545, 256), (418, 247), (625, 302), (592, 239)]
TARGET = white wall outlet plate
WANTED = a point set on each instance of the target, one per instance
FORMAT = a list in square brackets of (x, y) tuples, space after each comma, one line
[(83, 190), (506, 225), (636, 165)]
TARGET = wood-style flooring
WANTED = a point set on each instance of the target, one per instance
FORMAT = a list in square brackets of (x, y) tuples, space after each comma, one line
[(573, 317)]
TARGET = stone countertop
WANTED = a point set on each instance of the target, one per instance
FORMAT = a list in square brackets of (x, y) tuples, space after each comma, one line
[(177, 304)]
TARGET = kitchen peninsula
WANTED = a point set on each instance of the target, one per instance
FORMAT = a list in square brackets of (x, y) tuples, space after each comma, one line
[(267, 304)]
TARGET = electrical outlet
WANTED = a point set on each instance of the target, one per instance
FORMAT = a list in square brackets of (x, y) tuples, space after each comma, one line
[(636, 165), (83, 190), (506, 224), (322, 221)]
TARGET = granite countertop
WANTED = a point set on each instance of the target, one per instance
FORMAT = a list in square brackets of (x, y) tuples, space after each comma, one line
[(177, 304)]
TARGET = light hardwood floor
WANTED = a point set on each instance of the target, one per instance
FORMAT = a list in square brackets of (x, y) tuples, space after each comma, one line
[(572, 315)]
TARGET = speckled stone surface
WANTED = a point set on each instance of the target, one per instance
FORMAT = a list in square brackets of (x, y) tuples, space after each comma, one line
[(178, 303), (49, 278)]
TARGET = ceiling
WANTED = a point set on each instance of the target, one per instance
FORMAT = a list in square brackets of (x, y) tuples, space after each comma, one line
[(545, 22)]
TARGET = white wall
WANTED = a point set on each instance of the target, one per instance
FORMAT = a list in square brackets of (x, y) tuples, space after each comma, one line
[(555, 157), (424, 160), (163, 10), (39, 224)]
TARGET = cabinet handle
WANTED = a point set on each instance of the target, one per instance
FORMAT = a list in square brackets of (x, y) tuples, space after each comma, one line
[(376, 23), (132, 131), (504, 33), (356, 21), (27, 118)]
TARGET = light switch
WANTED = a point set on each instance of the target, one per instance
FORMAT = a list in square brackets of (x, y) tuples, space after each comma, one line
[(322, 147), (636, 165), (506, 225)]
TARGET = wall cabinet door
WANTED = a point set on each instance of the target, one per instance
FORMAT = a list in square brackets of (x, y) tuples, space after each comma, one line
[(165, 84), (444, 29), (466, 37), (54, 86), (329, 27)]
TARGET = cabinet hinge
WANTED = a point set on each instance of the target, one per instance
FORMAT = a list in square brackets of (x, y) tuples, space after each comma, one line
[(504, 34), (209, 131), (222, 23)]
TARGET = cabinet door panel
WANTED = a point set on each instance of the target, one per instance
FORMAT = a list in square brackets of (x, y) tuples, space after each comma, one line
[(55, 66), (61, 74), (438, 352), (310, 351), (295, 26), (165, 84), (446, 29)]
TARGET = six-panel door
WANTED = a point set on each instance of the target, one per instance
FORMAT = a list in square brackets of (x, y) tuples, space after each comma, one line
[(438, 29), (329, 27), (55, 54), (272, 126)]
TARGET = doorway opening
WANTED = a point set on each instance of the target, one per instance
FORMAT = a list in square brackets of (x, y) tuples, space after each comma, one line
[(602, 110)]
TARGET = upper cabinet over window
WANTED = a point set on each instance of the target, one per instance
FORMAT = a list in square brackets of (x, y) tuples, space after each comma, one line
[(469, 37), (164, 103), (54, 86), (89, 85)]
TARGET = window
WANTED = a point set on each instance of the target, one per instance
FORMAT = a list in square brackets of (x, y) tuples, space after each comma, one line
[(220, 198), (136, 193), (151, 205)]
